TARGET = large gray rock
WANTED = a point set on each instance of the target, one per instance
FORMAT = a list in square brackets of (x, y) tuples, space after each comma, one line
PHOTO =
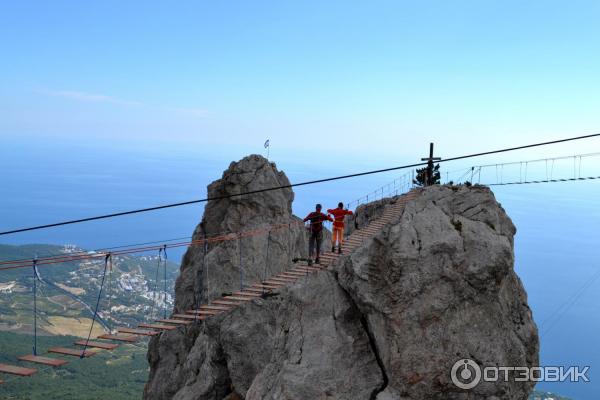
[(307, 343), (224, 266), (437, 286), (321, 350), (387, 322)]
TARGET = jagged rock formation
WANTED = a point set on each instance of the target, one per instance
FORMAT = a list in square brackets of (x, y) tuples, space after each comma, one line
[(307, 343), (221, 266), (439, 286), (387, 322)]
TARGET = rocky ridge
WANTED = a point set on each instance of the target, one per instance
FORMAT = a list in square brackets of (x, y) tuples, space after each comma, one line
[(387, 321)]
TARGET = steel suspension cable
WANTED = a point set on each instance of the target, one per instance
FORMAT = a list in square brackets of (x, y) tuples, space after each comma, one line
[(68, 258), (267, 260), (165, 282), (312, 182), (199, 278), (97, 306), (110, 290), (583, 178), (154, 295), (35, 278), (241, 266)]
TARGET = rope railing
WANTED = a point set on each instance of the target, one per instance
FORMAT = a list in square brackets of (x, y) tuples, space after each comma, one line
[(25, 263), (399, 185), (104, 250), (89, 336), (552, 169)]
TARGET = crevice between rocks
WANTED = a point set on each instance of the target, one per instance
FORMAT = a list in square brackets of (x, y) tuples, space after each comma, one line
[(365, 324), (372, 343)]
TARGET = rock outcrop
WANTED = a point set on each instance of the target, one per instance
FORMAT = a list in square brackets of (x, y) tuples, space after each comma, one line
[(388, 321), (224, 266), (439, 286)]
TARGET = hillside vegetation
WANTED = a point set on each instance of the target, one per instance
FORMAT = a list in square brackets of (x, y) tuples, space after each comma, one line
[(117, 375), (68, 292), (66, 299)]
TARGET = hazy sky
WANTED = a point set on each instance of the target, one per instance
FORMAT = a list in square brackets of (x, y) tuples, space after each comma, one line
[(112, 105), (343, 79)]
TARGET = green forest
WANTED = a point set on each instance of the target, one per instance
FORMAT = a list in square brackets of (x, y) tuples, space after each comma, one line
[(116, 375)]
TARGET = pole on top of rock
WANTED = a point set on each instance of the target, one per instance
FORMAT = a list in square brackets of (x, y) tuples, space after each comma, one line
[(429, 178), (268, 147)]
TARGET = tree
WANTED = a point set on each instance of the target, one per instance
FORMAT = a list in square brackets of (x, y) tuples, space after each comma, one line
[(421, 177)]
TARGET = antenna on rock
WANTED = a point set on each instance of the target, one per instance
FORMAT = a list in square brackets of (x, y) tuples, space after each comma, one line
[(268, 147)]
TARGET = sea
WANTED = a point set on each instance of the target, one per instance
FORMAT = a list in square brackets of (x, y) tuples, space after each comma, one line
[(556, 245)]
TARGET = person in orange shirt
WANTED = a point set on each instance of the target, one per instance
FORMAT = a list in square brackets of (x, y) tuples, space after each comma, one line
[(338, 226)]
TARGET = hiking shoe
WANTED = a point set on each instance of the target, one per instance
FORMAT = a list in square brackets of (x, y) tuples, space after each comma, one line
[(333, 249), (340, 250), (309, 262), (317, 261)]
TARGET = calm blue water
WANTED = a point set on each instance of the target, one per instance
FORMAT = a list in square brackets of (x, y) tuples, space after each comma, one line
[(556, 244), (557, 258)]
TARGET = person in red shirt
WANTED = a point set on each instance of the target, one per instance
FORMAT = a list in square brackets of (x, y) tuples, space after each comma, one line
[(338, 226), (316, 219)]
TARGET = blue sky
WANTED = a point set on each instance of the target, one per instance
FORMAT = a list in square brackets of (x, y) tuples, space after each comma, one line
[(117, 105), (379, 77)]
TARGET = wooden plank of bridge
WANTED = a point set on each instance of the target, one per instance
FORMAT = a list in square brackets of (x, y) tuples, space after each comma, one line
[(158, 327), (251, 293), (272, 282), (371, 231), (359, 235), (284, 275), (72, 352), (141, 332), (314, 267), (358, 239), (204, 312), (215, 307), (53, 362), (183, 321), (353, 242), (306, 270), (185, 318), (226, 302), (282, 278), (260, 285), (294, 274), (265, 288), (240, 298), (15, 370), (97, 345), (119, 338), (300, 276)]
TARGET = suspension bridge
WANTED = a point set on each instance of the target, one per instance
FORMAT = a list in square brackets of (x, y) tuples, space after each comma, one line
[(401, 190), (248, 292)]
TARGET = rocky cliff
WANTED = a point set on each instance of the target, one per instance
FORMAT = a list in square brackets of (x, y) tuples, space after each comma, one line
[(224, 266), (388, 321)]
